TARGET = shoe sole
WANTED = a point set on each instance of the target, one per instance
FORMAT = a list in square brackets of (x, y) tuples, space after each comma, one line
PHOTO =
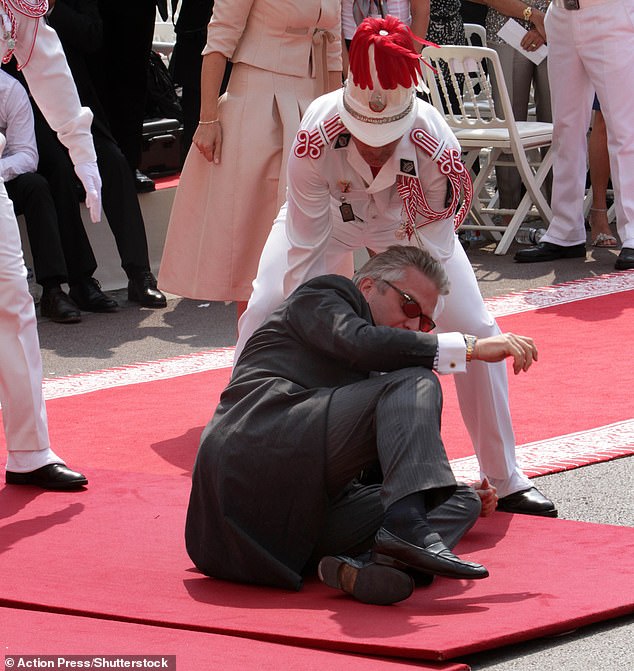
[(97, 310), (537, 513), (532, 259), (62, 320), (24, 481), (162, 304), (374, 584)]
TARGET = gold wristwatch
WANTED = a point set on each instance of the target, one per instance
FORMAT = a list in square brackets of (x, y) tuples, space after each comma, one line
[(528, 13), (469, 341)]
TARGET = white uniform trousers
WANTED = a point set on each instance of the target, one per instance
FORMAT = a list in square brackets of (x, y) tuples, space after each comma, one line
[(23, 409), (591, 49), (482, 391)]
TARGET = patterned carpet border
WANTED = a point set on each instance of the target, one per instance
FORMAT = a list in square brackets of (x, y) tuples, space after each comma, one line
[(522, 301), (562, 453)]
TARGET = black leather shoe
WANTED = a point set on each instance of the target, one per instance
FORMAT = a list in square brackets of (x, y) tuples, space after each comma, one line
[(58, 307), (432, 557), (53, 476), (89, 297), (625, 260), (547, 251), (528, 502), (365, 581), (142, 289), (143, 183)]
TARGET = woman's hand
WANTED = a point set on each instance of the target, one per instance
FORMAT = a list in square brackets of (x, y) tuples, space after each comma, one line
[(208, 140), (537, 19), (532, 40)]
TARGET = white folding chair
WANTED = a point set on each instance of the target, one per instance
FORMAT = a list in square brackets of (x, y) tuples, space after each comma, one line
[(472, 30), (478, 125)]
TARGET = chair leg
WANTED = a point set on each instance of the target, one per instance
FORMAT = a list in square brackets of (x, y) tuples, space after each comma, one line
[(532, 182)]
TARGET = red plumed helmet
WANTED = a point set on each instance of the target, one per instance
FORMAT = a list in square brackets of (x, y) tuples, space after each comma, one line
[(378, 101), (395, 60)]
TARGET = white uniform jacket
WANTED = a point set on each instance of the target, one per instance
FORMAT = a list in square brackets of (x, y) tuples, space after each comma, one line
[(322, 179)]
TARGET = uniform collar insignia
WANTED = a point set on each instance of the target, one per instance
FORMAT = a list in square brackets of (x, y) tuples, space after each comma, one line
[(408, 167), (342, 141)]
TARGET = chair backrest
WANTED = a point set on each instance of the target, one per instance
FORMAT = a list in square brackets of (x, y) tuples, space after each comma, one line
[(462, 89), (472, 30)]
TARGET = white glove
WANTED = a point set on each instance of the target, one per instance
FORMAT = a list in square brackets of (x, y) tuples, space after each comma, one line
[(88, 174)]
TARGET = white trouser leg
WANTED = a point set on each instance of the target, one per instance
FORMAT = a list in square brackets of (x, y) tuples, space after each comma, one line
[(483, 389), (571, 96), (610, 66), (23, 409)]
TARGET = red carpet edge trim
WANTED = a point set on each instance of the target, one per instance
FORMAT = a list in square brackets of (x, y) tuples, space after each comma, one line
[(562, 453), (514, 303)]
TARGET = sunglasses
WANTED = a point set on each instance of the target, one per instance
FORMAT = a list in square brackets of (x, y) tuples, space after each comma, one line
[(411, 309)]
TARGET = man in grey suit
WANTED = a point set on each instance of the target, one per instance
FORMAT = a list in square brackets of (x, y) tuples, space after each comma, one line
[(338, 379)]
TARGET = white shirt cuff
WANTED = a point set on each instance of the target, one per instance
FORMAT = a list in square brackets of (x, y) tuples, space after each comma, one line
[(452, 354)]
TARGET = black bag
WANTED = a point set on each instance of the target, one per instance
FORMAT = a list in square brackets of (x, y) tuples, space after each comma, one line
[(162, 101)]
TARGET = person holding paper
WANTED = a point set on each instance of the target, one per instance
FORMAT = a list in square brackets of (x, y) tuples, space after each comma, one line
[(591, 44), (520, 73)]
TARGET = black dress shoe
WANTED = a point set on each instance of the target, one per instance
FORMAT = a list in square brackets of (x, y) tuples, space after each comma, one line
[(142, 289), (365, 581), (58, 307), (625, 260), (53, 476), (432, 557), (89, 297), (547, 251), (528, 502), (143, 183)]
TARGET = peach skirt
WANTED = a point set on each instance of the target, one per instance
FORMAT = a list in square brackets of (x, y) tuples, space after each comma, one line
[(222, 214)]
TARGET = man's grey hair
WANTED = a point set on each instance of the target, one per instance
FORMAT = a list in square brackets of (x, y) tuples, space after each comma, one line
[(392, 263)]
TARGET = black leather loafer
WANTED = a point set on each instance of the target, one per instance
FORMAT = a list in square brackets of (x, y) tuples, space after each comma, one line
[(365, 581), (59, 307), (547, 251), (625, 260), (432, 557), (142, 289), (89, 297), (528, 502), (52, 476)]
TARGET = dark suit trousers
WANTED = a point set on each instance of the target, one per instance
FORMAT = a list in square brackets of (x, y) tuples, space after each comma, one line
[(120, 203), (393, 418), (121, 69), (32, 197)]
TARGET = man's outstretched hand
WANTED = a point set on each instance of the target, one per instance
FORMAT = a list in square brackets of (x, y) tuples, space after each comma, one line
[(499, 347)]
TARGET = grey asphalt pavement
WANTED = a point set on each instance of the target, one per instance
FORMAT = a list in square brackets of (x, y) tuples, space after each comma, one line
[(601, 493)]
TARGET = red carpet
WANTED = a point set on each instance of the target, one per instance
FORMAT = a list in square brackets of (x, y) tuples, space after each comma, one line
[(116, 551), (24, 632), (166, 182)]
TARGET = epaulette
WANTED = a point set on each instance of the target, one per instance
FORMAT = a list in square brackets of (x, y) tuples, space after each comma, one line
[(310, 143)]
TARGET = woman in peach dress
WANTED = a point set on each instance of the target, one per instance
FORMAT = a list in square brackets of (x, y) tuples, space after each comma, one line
[(284, 54)]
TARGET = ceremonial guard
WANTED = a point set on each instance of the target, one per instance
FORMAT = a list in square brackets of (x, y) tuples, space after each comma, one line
[(373, 165), (25, 35)]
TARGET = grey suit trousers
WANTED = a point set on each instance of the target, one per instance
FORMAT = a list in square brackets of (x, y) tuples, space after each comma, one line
[(394, 419)]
